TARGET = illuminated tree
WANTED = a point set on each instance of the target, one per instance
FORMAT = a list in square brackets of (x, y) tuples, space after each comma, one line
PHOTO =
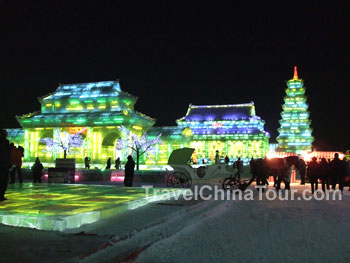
[(139, 145), (66, 142), (295, 132)]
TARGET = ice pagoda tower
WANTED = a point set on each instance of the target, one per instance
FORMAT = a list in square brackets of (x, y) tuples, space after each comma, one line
[(295, 131)]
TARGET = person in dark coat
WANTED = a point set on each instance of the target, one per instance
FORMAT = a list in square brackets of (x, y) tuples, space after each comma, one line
[(347, 172), (37, 169), (313, 171), (87, 162), (227, 160), (329, 176), (239, 166), (283, 174), (109, 163), (323, 174), (258, 169), (129, 171), (16, 154), (217, 157), (117, 163), (338, 170), (252, 165), (5, 163)]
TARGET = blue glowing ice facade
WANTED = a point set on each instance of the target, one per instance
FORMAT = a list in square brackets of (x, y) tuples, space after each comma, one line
[(234, 130)]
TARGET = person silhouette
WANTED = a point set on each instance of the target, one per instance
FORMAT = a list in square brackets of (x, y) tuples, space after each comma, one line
[(313, 172), (239, 166), (227, 160), (217, 157), (129, 171), (5, 163), (87, 162), (16, 154), (338, 170), (117, 163), (37, 169), (108, 163)]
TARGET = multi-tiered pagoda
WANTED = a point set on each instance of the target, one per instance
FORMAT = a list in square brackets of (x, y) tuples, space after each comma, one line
[(295, 131)]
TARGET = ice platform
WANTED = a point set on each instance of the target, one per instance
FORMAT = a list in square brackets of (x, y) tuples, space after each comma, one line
[(66, 206)]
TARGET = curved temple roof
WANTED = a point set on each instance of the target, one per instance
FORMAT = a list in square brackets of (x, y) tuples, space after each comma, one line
[(219, 112), (85, 90), (95, 103)]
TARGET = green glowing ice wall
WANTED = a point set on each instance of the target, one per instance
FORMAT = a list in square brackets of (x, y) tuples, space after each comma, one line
[(295, 132), (234, 130), (102, 107)]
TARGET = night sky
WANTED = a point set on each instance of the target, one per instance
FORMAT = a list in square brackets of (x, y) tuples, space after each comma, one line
[(172, 53)]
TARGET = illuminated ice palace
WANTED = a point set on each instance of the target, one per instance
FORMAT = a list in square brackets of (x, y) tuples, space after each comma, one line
[(101, 108)]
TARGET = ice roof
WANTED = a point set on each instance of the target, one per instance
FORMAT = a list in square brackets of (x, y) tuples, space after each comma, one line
[(86, 90), (219, 112)]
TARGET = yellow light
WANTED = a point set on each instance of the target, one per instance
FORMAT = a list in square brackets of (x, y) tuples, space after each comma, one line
[(75, 108), (137, 127)]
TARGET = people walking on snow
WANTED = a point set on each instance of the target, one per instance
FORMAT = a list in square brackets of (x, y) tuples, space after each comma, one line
[(5, 163), (37, 170)]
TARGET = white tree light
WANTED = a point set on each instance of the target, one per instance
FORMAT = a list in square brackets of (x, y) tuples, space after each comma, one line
[(64, 141), (139, 145)]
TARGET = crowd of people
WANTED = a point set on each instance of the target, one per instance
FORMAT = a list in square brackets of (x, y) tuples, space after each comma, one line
[(330, 173), (129, 168), (11, 164)]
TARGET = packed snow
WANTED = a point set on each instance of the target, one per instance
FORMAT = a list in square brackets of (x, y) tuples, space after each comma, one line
[(197, 231)]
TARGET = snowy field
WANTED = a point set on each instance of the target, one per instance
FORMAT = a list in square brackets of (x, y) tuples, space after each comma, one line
[(197, 231)]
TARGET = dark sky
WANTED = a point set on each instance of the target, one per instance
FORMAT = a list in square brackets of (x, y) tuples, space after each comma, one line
[(172, 53)]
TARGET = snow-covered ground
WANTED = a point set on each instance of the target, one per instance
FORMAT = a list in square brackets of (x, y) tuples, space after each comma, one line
[(197, 231)]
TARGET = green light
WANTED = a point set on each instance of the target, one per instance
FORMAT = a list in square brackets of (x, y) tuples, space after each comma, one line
[(60, 207), (74, 101)]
